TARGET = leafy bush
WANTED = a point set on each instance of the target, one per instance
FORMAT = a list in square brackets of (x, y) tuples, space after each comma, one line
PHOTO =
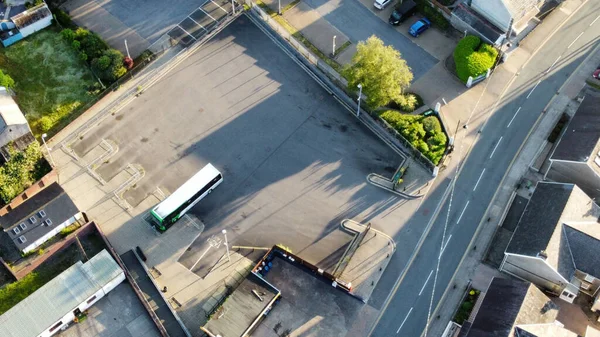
[(6, 81), (464, 311), (64, 19), (21, 170), (473, 58), (408, 103), (423, 132), (91, 43), (109, 66), (436, 18)]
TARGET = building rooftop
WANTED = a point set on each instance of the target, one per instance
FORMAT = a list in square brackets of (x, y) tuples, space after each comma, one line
[(56, 205), (242, 308), (31, 15), (510, 303), (560, 221), (580, 141), (51, 302)]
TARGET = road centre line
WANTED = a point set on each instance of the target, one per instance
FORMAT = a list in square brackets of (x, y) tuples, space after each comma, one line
[(446, 245), (495, 147), (512, 119), (594, 21), (404, 321), (577, 38), (425, 284), (463, 211), (532, 89), (477, 183)]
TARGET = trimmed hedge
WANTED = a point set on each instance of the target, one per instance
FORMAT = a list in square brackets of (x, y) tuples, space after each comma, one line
[(473, 58), (423, 132)]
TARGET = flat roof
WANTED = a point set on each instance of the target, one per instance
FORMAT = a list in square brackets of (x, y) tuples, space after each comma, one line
[(242, 308), (64, 293)]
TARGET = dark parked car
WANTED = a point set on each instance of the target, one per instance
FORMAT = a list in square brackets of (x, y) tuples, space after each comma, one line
[(402, 11), (419, 27)]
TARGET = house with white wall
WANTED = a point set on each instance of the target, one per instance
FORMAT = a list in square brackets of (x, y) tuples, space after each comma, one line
[(56, 304), (39, 218), (556, 244), (19, 21), (14, 129)]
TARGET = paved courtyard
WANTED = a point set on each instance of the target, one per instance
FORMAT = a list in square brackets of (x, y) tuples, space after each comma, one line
[(119, 314)]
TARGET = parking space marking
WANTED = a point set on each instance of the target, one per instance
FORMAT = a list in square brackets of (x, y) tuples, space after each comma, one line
[(220, 6), (205, 12), (185, 31), (196, 22), (404, 321), (495, 147), (512, 119)]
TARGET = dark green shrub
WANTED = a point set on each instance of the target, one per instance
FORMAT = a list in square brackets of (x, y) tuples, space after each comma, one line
[(472, 58), (424, 133), (109, 66), (436, 18), (91, 43), (68, 35), (76, 45), (64, 19)]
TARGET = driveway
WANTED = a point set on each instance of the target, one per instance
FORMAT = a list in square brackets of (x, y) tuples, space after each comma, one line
[(357, 22)]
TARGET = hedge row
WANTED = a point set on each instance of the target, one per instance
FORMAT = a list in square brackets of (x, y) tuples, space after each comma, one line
[(424, 133), (107, 63), (436, 18), (473, 58)]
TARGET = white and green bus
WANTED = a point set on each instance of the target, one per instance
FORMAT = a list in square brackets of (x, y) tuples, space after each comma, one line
[(185, 197)]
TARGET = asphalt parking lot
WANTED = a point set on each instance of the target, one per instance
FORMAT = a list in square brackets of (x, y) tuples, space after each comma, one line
[(294, 162), (356, 21)]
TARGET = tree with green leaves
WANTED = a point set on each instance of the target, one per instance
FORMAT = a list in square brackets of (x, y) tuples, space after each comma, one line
[(6, 81), (20, 171), (381, 71)]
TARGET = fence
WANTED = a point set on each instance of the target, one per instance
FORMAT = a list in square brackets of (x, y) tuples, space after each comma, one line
[(472, 81), (382, 129)]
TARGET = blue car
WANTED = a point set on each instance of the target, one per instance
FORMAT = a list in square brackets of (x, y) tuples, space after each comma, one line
[(419, 27)]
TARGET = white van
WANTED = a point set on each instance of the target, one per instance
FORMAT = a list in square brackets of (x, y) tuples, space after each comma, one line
[(380, 4)]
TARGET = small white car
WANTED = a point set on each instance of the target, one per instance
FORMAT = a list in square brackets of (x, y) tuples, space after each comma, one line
[(380, 4)]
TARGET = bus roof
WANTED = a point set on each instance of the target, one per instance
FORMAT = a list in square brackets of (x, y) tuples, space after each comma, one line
[(186, 191)]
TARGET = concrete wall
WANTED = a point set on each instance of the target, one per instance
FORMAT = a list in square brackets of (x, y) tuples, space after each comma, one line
[(494, 11), (38, 25), (534, 270), (577, 173)]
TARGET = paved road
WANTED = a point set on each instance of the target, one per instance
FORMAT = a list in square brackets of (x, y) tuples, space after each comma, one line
[(358, 23), (484, 168)]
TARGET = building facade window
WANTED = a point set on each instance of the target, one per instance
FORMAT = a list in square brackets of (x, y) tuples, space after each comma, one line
[(56, 326)]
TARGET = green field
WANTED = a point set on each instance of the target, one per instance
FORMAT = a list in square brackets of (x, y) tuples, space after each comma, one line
[(51, 83)]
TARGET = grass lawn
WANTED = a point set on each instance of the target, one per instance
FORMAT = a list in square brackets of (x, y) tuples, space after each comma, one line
[(50, 80)]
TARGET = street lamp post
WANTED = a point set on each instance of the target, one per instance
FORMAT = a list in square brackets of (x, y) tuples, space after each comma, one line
[(48, 149), (127, 48), (359, 98), (226, 244), (279, 7), (333, 51)]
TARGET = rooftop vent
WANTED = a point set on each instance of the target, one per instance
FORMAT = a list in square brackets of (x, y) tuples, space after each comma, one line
[(22, 239)]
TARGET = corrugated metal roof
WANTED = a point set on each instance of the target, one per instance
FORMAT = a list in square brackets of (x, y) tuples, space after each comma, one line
[(61, 295)]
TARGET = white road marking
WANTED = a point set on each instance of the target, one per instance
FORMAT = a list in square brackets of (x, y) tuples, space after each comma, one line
[(532, 89), (404, 321), (552, 66), (512, 119), (425, 284), (495, 147), (446, 245), (463, 211), (577, 38), (477, 183), (595, 20)]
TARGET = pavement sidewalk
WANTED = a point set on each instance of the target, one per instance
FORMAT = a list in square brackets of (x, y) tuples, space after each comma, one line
[(367, 261)]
